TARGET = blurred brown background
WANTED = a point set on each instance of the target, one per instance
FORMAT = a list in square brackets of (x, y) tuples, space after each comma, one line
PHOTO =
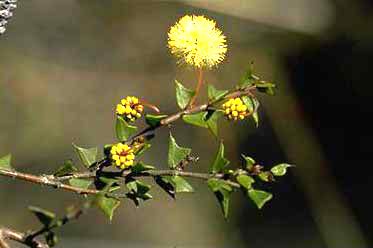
[(65, 64)]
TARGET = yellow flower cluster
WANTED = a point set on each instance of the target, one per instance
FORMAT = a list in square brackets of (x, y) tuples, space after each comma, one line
[(197, 41), (130, 108), (122, 155), (235, 109)]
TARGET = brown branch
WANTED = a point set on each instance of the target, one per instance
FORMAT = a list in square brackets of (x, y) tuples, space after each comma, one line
[(9, 234)]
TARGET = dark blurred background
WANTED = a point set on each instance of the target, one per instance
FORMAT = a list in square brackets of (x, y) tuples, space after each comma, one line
[(65, 64)]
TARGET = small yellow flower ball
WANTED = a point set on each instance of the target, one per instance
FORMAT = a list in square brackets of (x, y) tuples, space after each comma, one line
[(122, 155), (235, 109), (130, 108)]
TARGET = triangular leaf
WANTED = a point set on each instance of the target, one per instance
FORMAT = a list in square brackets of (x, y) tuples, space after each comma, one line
[(80, 183), (220, 161), (252, 105), (108, 205), (138, 191), (176, 154), (165, 183), (248, 78), (123, 129), (259, 197), (212, 122), (245, 181), (197, 119), (280, 169), (5, 162), (140, 167), (214, 94), (250, 162), (222, 192), (266, 176), (66, 169), (87, 156), (154, 120), (44, 216), (183, 95), (266, 87)]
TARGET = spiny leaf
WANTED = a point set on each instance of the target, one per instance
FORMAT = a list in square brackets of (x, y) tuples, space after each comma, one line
[(280, 169), (123, 129), (5, 162), (214, 94), (176, 154), (222, 192), (44, 216), (220, 161), (87, 156), (80, 183), (66, 169), (183, 95), (245, 181), (154, 120), (259, 197)]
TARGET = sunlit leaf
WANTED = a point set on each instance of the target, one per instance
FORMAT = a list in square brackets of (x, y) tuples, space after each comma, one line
[(87, 156), (197, 119), (123, 129), (280, 169), (176, 154), (259, 197), (183, 95), (250, 162), (66, 169), (220, 161), (80, 183), (5, 162), (222, 192), (107, 205), (214, 94), (245, 181)]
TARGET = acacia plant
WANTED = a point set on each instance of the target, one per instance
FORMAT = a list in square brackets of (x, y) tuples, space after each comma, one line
[(106, 179)]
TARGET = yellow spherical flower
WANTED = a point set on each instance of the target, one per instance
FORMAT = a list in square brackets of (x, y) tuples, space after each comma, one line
[(122, 155), (197, 41), (235, 109), (130, 108)]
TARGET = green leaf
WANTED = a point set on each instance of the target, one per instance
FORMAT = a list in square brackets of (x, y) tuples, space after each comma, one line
[(197, 119), (138, 191), (252, 105), (51, 238), (212, 122), (222, 192), (154, 120), (123, 129), (166, 185), (141, 151), (140, 167), (280, 169), (266, 87), (214, 94), (250, 162), (5, 162), (87, 156), (259, 197), (66, 169), (248, 78), (245, 181), (80, 183), (183, 95), (266, 176), (220, 161), (107, 205), (176, 154), (181, 185), (44, 216)]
